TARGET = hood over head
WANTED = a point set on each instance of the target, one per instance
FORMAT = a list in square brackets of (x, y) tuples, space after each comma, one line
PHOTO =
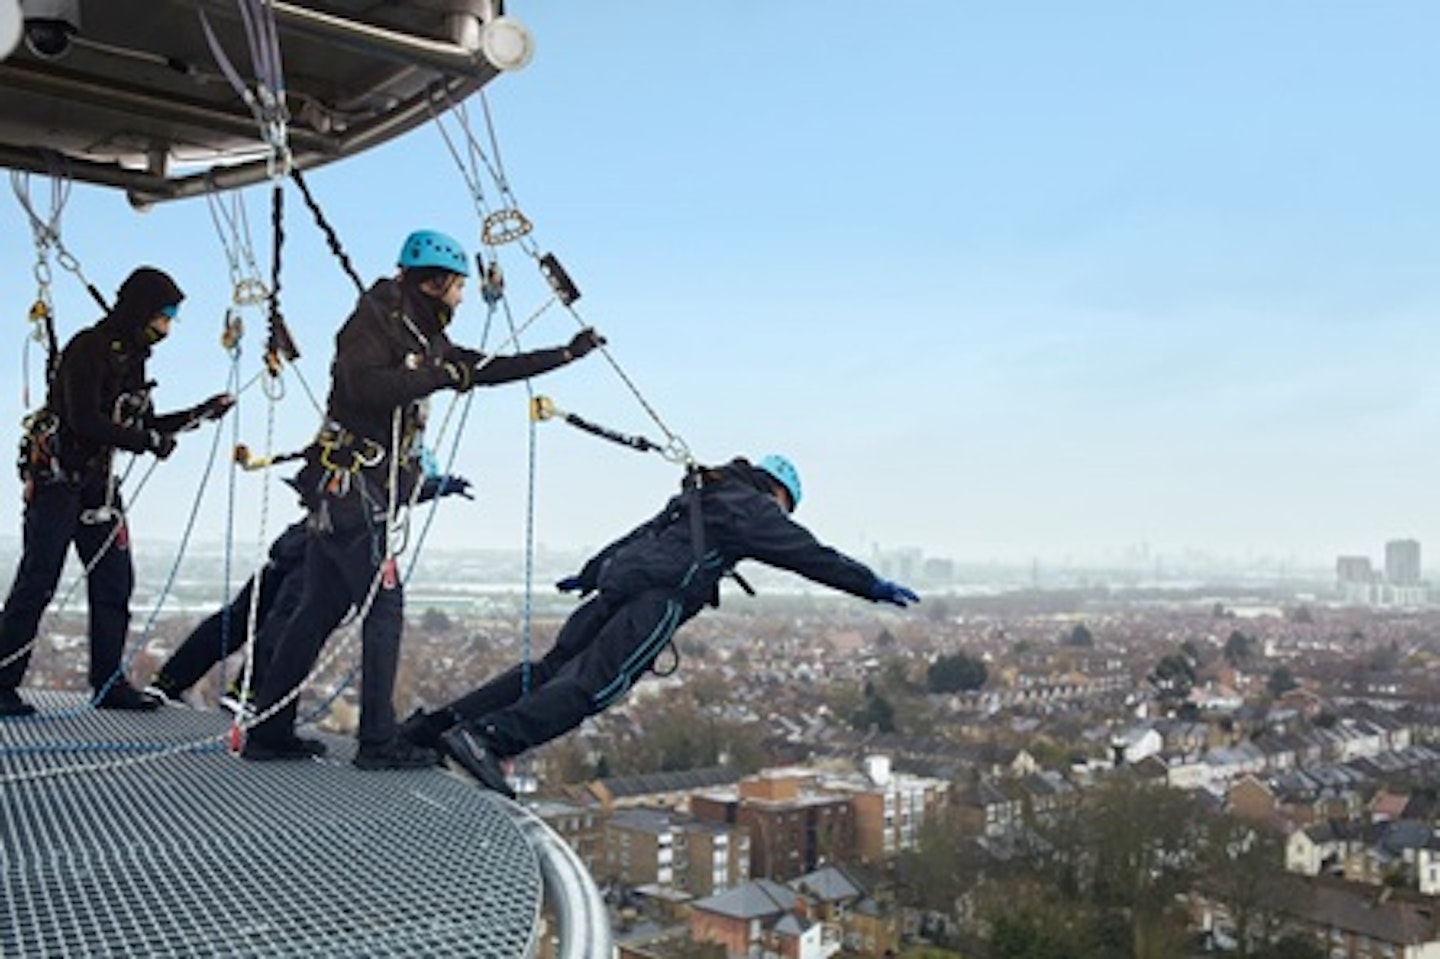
[(144, 293)]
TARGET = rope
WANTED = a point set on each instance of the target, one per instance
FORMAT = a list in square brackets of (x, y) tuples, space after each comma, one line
[(331, 237), (85, 570), (279, 345), (211, 744), (261, 556), (267, 100), (323, 664), (232, 226), (46, 230), (198, 499), (555, 275), (230, 499)]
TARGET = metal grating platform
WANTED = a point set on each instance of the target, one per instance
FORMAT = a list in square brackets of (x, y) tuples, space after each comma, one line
[(198, 853)]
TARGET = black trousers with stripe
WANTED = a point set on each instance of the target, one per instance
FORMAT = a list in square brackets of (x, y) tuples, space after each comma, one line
[(603, 648)]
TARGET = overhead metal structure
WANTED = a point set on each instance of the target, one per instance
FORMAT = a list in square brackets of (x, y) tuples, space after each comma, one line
[(128, 93)]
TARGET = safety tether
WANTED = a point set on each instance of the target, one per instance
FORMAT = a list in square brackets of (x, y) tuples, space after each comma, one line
[(267, 100), (45, 231), (508, 213)]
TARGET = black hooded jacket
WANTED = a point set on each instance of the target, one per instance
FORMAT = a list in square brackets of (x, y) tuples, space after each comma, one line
[(742, 520), (100, 394), (391, 354)]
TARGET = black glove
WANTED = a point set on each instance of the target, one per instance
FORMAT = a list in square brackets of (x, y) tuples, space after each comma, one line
[(161, 444), (888, 592), (583, 342), (213, 408)]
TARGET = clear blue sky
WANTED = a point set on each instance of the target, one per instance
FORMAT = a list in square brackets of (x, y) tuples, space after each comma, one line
[(1005, 279)]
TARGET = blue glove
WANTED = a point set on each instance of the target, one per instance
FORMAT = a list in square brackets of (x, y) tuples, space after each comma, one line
[(888, 592), (570, 584), (436, 486)]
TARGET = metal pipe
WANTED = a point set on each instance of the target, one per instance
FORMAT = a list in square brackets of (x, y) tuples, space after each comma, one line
[(394, 122), (64, 88), (379, 41), (580, 917)]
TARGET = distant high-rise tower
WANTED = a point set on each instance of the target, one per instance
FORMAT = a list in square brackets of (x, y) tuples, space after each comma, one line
[(1402, 562), (1354, 569)]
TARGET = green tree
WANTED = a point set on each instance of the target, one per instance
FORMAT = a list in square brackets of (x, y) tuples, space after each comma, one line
[(1281, 681), (1239, 648), (435, 621), (1244, 867), (1384, 659), (876, 713), (955, 673), (1173, 677), (1140, 849), (1026, 936), (1291, 947)]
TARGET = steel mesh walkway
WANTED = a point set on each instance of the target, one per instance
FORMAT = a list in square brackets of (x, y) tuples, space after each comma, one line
[(203, 854)]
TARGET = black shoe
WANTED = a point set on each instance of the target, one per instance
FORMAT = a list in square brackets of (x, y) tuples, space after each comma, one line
[(290, 748), (396, 754), (477, 757), (11, 705), (127, 697), (424, 729)]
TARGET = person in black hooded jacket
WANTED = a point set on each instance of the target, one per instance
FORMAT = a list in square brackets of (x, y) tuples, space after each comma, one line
[(645, 586), (98, 402), (390, 355)]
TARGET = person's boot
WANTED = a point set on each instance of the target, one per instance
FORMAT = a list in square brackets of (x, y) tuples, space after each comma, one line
[(288, 748), (163, 688), (398, 753), (123, 696), (424, 729), (473, 753), (11, 705)]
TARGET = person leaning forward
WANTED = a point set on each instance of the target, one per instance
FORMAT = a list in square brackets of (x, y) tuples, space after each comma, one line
[(390, 355), (98, 402), (643, 588)]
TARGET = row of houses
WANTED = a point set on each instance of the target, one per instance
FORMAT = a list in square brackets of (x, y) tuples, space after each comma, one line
[(1216, 769)]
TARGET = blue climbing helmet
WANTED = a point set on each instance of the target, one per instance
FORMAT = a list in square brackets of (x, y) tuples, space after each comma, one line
[(428, 248), (785, 473)]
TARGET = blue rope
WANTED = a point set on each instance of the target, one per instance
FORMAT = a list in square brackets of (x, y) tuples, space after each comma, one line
[(529, 591)]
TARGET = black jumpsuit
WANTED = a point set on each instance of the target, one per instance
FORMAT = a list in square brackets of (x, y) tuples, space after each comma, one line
[(100, 398), (647, 585), (227, 630), (389, 356)]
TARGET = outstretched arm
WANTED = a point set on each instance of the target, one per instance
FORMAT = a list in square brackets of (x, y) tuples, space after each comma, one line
[(494, 370), (774, 538)]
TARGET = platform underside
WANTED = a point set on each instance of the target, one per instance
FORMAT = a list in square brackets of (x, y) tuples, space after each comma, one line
[(138, 834)]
